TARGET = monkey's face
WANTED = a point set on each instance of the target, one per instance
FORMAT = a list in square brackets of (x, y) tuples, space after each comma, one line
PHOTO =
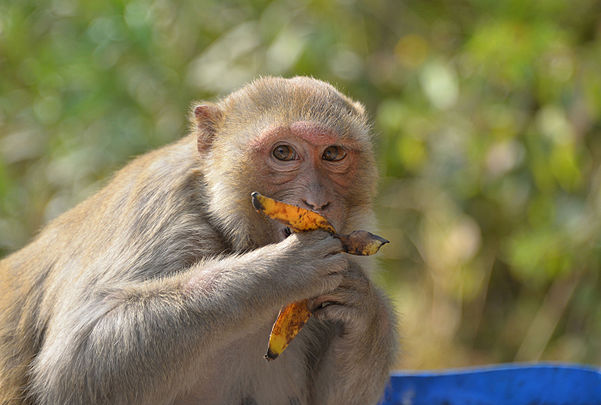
[(308, 165), (297, 140)]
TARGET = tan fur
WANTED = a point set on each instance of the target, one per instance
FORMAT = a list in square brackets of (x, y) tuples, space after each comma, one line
[(161, 288)]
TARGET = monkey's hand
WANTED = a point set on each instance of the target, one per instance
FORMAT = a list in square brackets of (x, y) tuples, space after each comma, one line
[(314, 264), (353, 305), (362, 345), (259, 282)]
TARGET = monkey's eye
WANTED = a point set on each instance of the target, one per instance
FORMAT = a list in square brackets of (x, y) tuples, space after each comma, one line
[(284, 152), (333, 153)]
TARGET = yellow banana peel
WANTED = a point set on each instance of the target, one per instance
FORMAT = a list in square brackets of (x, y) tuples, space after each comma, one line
[(298, 219), (361, 243), (293, 317)]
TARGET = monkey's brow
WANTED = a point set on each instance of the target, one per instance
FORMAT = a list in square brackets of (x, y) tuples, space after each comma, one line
[(313, 133)]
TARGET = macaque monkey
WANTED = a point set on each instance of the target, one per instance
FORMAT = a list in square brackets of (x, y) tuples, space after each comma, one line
[(163, 286)]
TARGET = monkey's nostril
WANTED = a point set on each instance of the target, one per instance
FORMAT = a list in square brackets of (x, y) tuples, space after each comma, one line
[(315, 207), (308, 204)]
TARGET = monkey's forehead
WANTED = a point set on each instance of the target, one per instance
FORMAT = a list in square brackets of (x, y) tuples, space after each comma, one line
[(314, 133)]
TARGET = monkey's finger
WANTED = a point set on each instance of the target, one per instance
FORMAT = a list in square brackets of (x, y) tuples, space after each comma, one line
[(336, 248), (343, 306), (322, 243), (335, 264), (333, 311), (297, 218), (329, 299)]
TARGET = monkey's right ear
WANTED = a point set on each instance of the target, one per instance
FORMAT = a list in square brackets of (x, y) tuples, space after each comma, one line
[(207, 117)]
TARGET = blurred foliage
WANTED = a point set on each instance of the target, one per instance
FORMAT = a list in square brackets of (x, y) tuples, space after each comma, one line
[(488, 116)]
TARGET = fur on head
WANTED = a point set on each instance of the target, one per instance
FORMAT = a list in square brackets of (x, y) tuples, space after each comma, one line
[(226, 129)]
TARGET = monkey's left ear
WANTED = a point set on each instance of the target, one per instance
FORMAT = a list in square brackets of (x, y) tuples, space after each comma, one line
[(207, 117)]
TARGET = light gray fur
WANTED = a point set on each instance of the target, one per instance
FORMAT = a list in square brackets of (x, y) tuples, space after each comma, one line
[(150, 292)]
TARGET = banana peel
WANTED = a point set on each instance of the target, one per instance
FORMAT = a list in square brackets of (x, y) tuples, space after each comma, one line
[(293, 317), (361, 243), (298, 219)]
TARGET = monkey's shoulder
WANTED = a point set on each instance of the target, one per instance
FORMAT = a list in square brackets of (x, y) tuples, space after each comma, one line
[(154, 206)]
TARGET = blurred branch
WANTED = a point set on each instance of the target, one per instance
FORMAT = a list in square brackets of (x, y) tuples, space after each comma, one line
[(547, 318)]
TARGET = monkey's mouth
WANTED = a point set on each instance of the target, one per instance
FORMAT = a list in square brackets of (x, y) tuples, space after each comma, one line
[(287, 232)]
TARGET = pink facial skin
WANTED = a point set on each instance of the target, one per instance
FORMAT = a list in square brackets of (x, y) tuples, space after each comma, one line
[(307, 179)]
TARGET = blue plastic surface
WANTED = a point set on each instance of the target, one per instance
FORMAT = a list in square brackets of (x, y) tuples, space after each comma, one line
[(537, 384)]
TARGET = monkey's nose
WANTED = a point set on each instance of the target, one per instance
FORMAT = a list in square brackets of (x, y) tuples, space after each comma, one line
[(316, 206)]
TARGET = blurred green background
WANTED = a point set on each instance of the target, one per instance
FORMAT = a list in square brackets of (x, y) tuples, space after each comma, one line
[(488, 123)]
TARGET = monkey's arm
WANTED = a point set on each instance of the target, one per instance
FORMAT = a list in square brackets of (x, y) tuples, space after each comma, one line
[(355, 367), (136, 343)]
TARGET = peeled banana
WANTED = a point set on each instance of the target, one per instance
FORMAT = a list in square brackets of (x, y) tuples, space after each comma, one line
[(292, 317)]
